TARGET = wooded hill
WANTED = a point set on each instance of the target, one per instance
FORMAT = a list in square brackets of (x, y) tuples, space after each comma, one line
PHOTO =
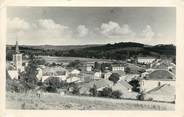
[(119, 51)]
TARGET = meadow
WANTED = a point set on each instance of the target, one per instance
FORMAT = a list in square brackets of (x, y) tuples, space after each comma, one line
[(51, 59), (54, 101)]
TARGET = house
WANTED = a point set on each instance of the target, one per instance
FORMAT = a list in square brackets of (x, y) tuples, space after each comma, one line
[(13, 74), (119, 74), (75, 72), (145, 60), (157, 78), (165, 93), (129, 77), (47, 72), (100, 85), (89, 67), (98, 75), (125, 88), (73, 79), (107, 74), (39, 74), (126, 85), (117, 67)]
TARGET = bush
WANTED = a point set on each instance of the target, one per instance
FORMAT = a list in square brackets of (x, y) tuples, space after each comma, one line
[(140, 96), (114, 78), (93, 90), (51, 89), (106, 92), (135, 84), (116, 94)]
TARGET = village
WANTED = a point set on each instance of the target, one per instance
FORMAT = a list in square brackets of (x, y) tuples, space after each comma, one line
[(141, 78)]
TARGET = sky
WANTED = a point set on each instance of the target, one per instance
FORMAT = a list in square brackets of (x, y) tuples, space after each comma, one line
[(90, 25)]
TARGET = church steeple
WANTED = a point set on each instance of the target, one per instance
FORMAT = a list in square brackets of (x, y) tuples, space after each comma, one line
[(17, 58), (17, 48)]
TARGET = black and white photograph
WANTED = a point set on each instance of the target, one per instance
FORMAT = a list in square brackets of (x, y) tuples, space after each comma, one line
[(91, 58)]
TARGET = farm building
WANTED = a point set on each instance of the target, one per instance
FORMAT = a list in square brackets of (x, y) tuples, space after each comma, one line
[(157, 78)]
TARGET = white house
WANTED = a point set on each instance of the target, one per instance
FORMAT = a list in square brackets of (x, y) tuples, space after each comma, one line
[(107, 75), (89, 67), (98, 75), (13, 74), (39, 74), (75, 72), (117, 67), (145, 60), (47, 72)]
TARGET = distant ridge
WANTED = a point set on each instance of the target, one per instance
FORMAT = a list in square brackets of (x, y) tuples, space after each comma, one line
[(118, 51)]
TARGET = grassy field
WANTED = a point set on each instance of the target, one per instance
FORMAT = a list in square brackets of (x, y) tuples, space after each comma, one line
[(51, 59), (57, 102)]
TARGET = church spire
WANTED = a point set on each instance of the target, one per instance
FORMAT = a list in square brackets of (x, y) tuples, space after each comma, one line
[(17, 47)]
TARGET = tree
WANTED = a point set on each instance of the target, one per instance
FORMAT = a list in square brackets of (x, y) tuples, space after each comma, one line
[(97, 66), (41, 61), (106, 66), (106, 92), (93, 90), (29, 76), (127, 70), (114, 77), (75, 64), (116, 94), (135, 84)]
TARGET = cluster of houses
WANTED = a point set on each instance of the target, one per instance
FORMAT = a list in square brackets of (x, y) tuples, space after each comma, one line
[(157, 82)]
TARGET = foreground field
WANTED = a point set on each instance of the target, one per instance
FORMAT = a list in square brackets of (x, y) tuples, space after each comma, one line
[(58, 102)]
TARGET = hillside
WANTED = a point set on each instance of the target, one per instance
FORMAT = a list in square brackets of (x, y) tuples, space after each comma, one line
[(126, 50), (119, 51)]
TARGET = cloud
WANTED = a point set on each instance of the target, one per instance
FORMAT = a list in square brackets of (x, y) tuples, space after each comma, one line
[(38, 31), (18, 24), (48, 28), (82, 31), (50, 24), (112, 29), (148, 32)]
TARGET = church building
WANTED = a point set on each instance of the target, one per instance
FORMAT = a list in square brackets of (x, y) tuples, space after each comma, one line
[(17, 59)]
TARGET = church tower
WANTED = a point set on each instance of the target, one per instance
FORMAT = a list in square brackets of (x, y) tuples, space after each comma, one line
[(17, 58)]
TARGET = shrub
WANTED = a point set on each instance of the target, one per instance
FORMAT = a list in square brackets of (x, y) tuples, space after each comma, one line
[(140, 96), (51, 89), (23, 105), (114, 78), (106, 92), (116, 94), (93, 90), (135, 84)]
